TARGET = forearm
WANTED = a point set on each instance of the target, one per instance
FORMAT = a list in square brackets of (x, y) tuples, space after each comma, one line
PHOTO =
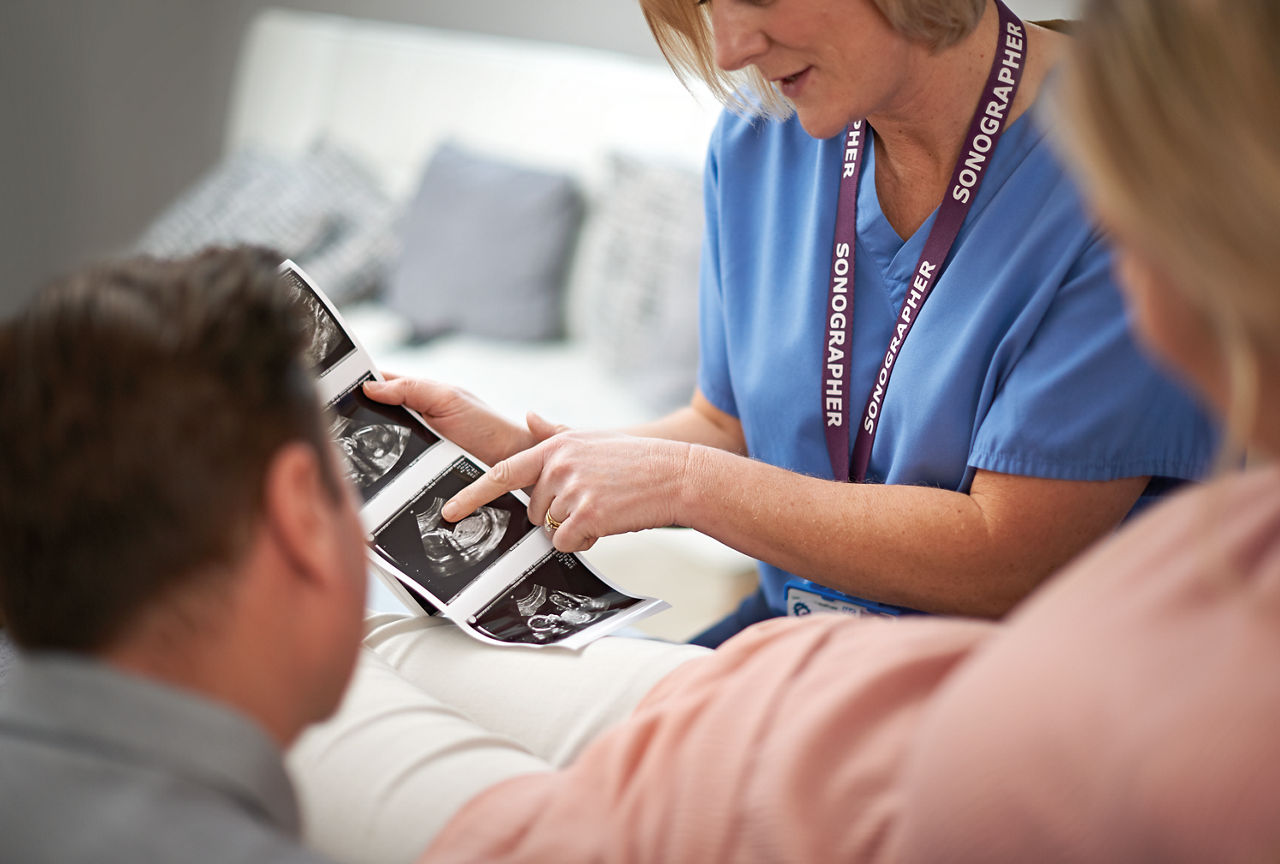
[(916, 546), (696, 423)]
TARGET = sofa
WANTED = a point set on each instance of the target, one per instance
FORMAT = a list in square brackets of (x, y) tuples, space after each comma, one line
[(519, 218)]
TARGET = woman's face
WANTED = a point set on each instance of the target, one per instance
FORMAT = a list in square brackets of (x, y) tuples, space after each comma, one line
[(836, 60), (1169, 325)]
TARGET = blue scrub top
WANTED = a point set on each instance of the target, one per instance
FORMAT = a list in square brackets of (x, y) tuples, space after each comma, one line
[(1020, 362)]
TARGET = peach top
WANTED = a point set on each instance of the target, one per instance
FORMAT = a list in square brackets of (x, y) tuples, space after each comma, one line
[(1130, 710), (1126, 712)]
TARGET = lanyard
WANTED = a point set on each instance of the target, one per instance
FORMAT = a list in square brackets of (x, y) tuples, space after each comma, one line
[(985, 129)]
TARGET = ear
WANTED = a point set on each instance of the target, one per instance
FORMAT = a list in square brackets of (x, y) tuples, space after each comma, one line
[(299, 510)]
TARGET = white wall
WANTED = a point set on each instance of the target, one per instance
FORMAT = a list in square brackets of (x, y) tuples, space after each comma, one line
[(111, 107), (1040, 9)]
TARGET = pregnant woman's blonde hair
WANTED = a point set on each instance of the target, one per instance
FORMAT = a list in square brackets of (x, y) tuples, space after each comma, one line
[(1172, 111)]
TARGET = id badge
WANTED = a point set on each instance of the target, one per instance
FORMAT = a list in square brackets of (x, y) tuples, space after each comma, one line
[(809, 598)]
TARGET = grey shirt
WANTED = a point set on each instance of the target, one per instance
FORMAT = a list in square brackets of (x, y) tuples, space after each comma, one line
[(97, 765)]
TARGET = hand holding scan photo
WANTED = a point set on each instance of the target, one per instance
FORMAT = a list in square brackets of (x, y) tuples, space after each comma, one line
[(457, 414), (589, 484)]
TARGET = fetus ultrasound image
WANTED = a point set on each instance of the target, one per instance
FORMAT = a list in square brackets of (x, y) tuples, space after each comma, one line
[(329, 344), (445, 557), (376, 441), (555, 598)]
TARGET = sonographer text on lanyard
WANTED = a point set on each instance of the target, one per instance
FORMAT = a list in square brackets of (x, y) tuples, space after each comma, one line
[(989, 121)]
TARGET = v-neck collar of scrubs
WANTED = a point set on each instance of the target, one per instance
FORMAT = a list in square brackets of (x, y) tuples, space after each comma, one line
[(896, 258)]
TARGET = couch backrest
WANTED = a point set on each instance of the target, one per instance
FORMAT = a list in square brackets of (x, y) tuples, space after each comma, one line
[(392, 93)]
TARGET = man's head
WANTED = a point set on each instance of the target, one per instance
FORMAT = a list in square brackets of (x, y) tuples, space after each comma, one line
[(151, 410)]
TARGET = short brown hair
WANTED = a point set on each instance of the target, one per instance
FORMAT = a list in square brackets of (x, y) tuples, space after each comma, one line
[(143, 401), (682, 29)]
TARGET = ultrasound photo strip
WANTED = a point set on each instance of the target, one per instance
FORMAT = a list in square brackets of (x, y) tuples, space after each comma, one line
[(405, 472)]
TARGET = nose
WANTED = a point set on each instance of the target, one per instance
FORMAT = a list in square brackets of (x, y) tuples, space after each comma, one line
[(739, 40)]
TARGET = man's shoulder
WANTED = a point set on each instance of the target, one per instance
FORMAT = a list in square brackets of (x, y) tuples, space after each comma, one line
[(99, 766), (8, 655), (67, 803)]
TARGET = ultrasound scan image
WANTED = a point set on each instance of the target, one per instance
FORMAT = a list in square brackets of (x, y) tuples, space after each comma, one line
[(376, 441), (555, 598), (455, 545), (371, 451), (329, 343), (445, 557)]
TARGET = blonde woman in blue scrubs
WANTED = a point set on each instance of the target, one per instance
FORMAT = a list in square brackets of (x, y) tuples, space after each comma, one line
[(892, 247)]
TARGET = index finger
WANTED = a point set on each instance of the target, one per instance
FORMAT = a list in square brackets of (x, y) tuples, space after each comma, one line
[(517, 472)]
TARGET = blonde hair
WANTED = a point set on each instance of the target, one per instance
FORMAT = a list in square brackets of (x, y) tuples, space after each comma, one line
[(682, 29), (1171, 112)]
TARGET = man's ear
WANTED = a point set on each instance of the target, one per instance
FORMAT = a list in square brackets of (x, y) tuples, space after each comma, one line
[(298, 509)]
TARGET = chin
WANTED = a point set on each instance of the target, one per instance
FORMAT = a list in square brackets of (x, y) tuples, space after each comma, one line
[(820, 127)]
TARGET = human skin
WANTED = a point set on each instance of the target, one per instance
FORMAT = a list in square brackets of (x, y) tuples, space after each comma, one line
[(925, 548)]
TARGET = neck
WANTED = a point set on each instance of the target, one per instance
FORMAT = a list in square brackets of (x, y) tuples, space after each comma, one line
[(214, 657), (920, 134)]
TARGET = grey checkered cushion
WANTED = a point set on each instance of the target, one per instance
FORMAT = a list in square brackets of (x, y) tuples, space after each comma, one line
[(323, 210), (634, 292)]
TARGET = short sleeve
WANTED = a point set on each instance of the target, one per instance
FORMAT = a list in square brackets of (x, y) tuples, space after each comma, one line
[(714, 380), (1083, 402)]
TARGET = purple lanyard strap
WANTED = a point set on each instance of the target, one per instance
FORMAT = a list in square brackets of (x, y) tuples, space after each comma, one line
[(985, 129)]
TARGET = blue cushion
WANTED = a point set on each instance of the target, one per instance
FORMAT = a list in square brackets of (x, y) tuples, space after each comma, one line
[(485, 247)]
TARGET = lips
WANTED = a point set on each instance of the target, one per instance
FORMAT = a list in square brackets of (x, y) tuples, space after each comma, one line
[(792, 84)]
